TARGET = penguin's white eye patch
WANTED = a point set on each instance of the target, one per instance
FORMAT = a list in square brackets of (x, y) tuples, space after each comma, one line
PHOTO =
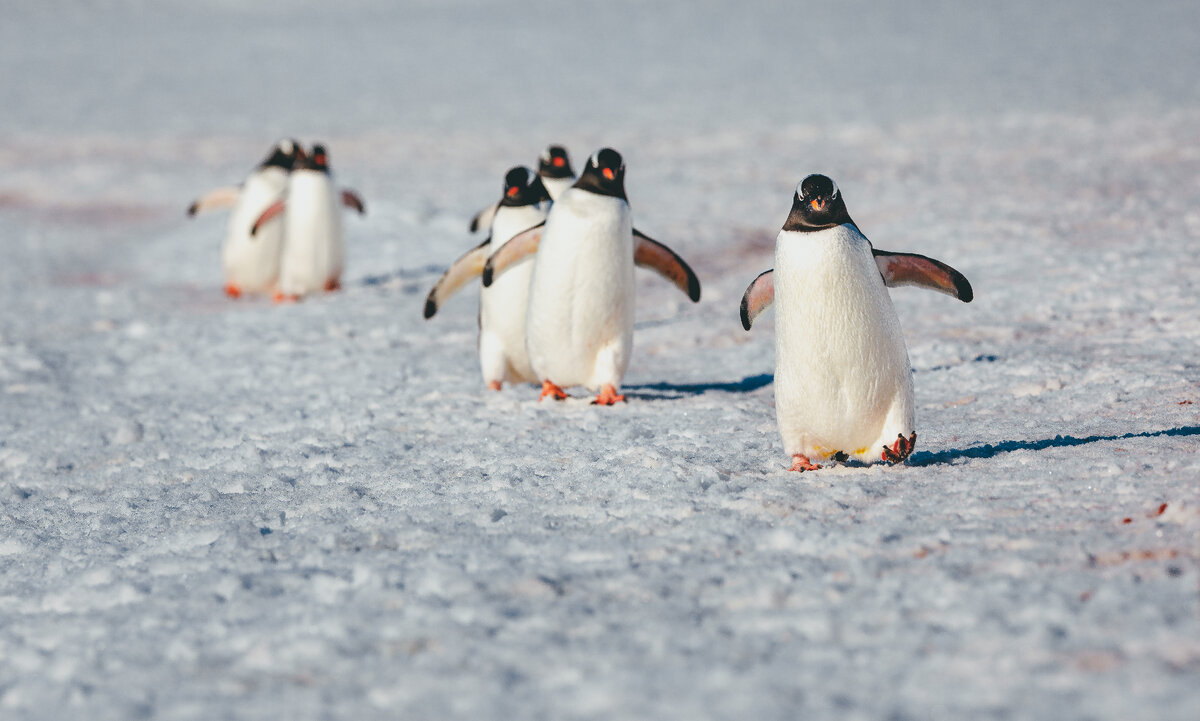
[(594, 161), (546, 155)]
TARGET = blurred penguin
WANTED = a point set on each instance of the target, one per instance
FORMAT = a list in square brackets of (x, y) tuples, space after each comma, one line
[(313, 241)]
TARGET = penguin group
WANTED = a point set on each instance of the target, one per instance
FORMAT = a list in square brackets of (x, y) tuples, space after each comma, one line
[(304, 251), (558, 292), (557, 296), (557, 301)]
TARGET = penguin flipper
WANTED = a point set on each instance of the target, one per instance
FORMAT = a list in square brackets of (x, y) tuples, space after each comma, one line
[(518, 247), (351, 199), (462, 271), (900, 269), (273, 210), (649, 253), (483, 219), (216, 198), (758, 297)]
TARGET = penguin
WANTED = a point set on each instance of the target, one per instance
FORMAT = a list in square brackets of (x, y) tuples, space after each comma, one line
[(250, 263), (554, 168), (313, 242), (579, 324), (502, 354), (843, 383)]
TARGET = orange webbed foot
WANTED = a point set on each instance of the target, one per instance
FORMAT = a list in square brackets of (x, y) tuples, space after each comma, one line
[(333, 284), (281, 297), (555, 392), (495, 385), (901, 449), (800, 463), (233, 291), (608, 396)]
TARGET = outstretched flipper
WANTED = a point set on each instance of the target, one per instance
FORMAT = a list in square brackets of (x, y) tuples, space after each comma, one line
[(463, 270), (273, 210), (518, 247), (483, 219), (900, 269), (758, 297), (649, 253), (350, 199), (216, 198)]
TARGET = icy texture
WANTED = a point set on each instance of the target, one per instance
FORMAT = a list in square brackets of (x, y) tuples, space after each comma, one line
[(215, 509)]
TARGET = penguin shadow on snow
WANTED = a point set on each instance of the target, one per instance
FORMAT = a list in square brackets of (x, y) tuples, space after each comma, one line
[(403, 274), (675, 391), (989, 450)]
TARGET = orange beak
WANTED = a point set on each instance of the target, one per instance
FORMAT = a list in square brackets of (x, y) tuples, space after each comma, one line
[(608, 173), (818, 205), (559, 162), (512, 192)]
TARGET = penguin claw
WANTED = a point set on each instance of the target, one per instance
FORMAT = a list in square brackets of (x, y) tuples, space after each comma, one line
[(608, 396), (233, 291), (901, 449), (800, 463), (555, 392)]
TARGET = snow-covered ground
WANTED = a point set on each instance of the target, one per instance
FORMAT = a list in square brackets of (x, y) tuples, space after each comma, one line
[(217, 509)]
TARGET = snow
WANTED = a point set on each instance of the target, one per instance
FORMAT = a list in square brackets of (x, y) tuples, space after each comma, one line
[(217, 509)]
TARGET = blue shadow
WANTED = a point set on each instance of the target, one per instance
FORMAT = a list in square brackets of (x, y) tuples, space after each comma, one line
[(678, 390), (988, 450)]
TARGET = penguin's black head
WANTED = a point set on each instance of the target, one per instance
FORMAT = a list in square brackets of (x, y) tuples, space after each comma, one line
[(604, 174), (522, 186), (555, 163), (283, 155), (318, 159), (817, 205)]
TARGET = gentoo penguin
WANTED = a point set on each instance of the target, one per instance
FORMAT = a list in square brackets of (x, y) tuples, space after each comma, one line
[(554, 168), (579, 326), (313, 243), (843, 384), (251, 262), (502, 354)]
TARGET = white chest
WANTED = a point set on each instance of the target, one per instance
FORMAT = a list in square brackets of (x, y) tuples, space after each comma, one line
[(581, 302), (313, 244), (841, 363)]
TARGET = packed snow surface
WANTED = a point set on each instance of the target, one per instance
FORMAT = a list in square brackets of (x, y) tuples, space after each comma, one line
[(218, 509)]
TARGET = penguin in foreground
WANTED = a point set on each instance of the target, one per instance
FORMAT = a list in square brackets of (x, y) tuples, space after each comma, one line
[(314, 247), (251, 262), (502, 354), (579, 327), (554, 168), (843, 383)]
